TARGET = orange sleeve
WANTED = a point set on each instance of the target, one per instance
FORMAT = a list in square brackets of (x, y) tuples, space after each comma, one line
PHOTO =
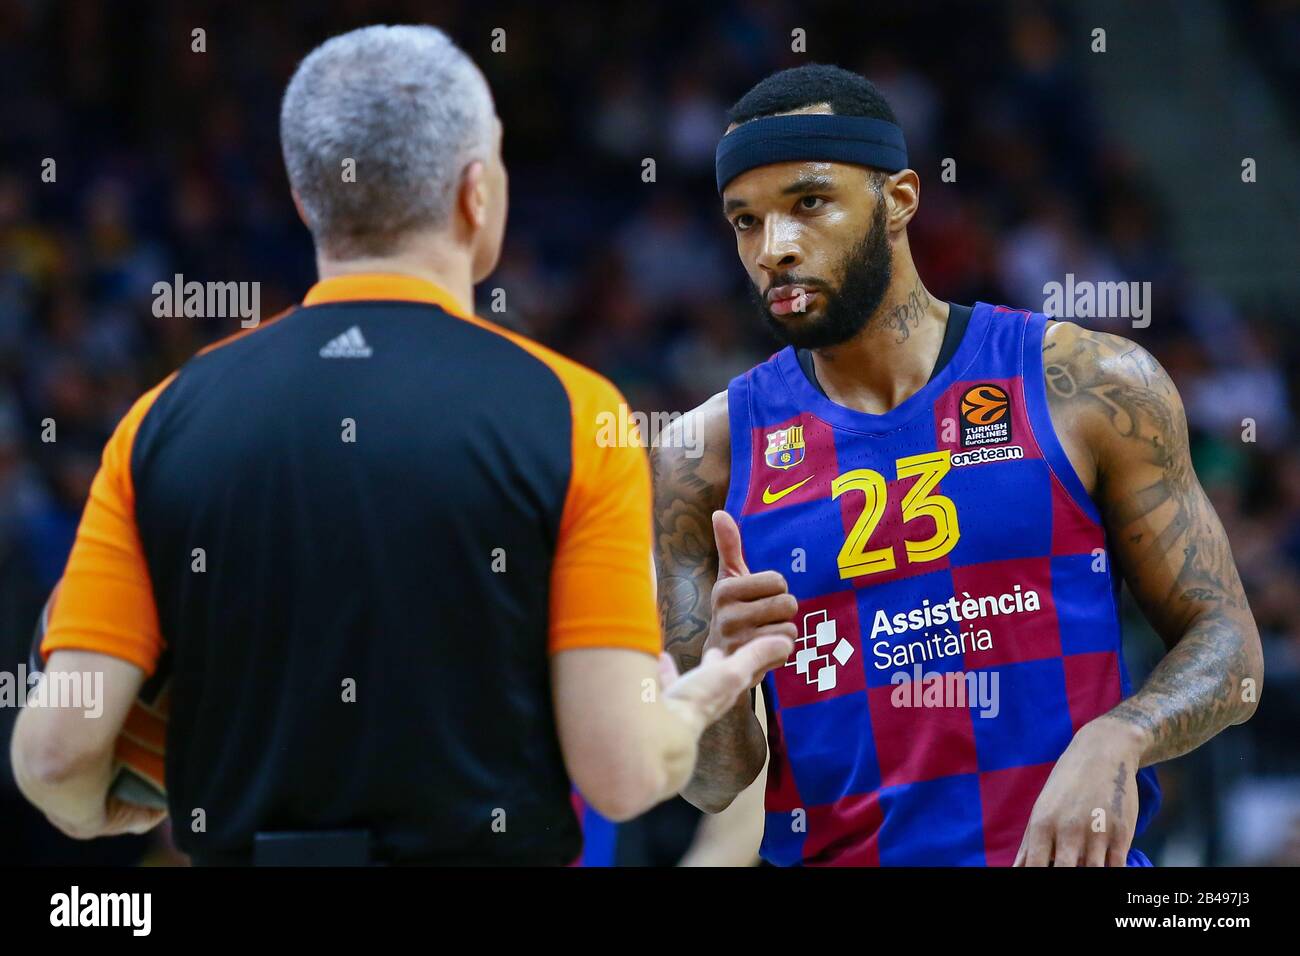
[(105, 598), (602, 583)]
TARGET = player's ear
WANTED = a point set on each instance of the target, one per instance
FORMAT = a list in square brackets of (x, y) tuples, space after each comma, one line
[(902, 193)]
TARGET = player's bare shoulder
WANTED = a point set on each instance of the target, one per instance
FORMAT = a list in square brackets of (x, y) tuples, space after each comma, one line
[(1109, 396), (692, 459)]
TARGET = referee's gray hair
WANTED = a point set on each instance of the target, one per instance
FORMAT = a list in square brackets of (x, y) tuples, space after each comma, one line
[(409, 108)]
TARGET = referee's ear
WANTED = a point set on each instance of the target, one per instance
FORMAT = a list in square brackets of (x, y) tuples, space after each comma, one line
[(474, 199), (482, 201)]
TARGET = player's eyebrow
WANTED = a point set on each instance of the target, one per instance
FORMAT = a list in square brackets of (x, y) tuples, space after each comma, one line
[(808, 184), (804, 184)]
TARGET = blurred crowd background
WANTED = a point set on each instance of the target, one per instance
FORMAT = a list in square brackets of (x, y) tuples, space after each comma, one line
[(168, 162)]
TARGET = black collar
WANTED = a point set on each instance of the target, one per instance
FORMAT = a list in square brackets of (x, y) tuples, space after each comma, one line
[(954, 331)]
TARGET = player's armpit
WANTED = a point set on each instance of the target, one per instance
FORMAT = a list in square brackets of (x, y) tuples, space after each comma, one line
[(1167, 540)]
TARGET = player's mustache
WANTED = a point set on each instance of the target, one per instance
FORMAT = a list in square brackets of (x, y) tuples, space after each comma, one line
[(786, 278)]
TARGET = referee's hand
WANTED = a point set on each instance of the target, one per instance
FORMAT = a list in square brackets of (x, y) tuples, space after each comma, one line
[(115, 817), (745, 606), (705, 693)]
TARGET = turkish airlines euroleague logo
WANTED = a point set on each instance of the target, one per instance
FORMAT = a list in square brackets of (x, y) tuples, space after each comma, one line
[(985, 416)]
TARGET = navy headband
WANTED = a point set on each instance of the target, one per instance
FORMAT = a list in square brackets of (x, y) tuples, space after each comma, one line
[(860, 140)]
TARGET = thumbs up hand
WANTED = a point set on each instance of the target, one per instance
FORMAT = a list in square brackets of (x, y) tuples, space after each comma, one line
[(726, 535), (745, 606)]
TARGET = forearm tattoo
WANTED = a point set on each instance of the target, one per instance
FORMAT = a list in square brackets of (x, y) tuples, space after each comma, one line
[(1165, 537)]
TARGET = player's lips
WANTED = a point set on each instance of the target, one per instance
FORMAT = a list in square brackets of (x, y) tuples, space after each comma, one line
[(784, 299)]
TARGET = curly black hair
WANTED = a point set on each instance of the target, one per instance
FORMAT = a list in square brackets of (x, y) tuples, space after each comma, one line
[(845, 92)]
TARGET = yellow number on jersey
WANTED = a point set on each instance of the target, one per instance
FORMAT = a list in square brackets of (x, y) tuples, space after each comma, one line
[(855, 559), (931, 467)]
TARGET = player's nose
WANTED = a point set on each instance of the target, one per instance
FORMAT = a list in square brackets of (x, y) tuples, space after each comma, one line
[(779, 252)]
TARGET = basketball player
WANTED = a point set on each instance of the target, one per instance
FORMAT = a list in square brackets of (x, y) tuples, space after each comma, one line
[(944, 500), (425, 601)]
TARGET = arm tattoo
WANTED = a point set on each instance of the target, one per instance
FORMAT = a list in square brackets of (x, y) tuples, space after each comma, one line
[(1119, 785), (687, 492), (1194, 692), (688, 565), (1166, 539)]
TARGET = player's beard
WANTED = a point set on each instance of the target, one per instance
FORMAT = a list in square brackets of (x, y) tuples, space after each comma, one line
[(866, 272)]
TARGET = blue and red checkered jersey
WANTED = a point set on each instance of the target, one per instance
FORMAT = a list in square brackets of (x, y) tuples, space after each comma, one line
[(958, 615), (599, 835)]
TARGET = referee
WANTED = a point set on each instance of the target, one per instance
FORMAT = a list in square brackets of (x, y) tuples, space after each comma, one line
[(402, 593)]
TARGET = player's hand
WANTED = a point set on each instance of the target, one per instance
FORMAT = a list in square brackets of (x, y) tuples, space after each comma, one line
[(116, 817), (708, 691), (745, 606), (1087, 812)]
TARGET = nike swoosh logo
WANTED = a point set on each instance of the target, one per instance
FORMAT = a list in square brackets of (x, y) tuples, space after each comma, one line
[(769, 497)]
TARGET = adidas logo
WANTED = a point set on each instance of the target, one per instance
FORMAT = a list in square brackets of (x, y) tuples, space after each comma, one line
[(351, 344)]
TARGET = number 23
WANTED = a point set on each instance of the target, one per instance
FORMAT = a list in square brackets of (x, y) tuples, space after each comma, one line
[(854, 558)]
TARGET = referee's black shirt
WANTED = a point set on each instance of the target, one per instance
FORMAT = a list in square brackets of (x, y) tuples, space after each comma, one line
[(347, 542)]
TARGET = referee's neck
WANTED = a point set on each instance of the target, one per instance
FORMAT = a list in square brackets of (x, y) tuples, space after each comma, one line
[(449, 269)]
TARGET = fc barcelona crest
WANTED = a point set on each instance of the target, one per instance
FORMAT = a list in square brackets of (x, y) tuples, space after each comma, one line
[(785, 447)]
